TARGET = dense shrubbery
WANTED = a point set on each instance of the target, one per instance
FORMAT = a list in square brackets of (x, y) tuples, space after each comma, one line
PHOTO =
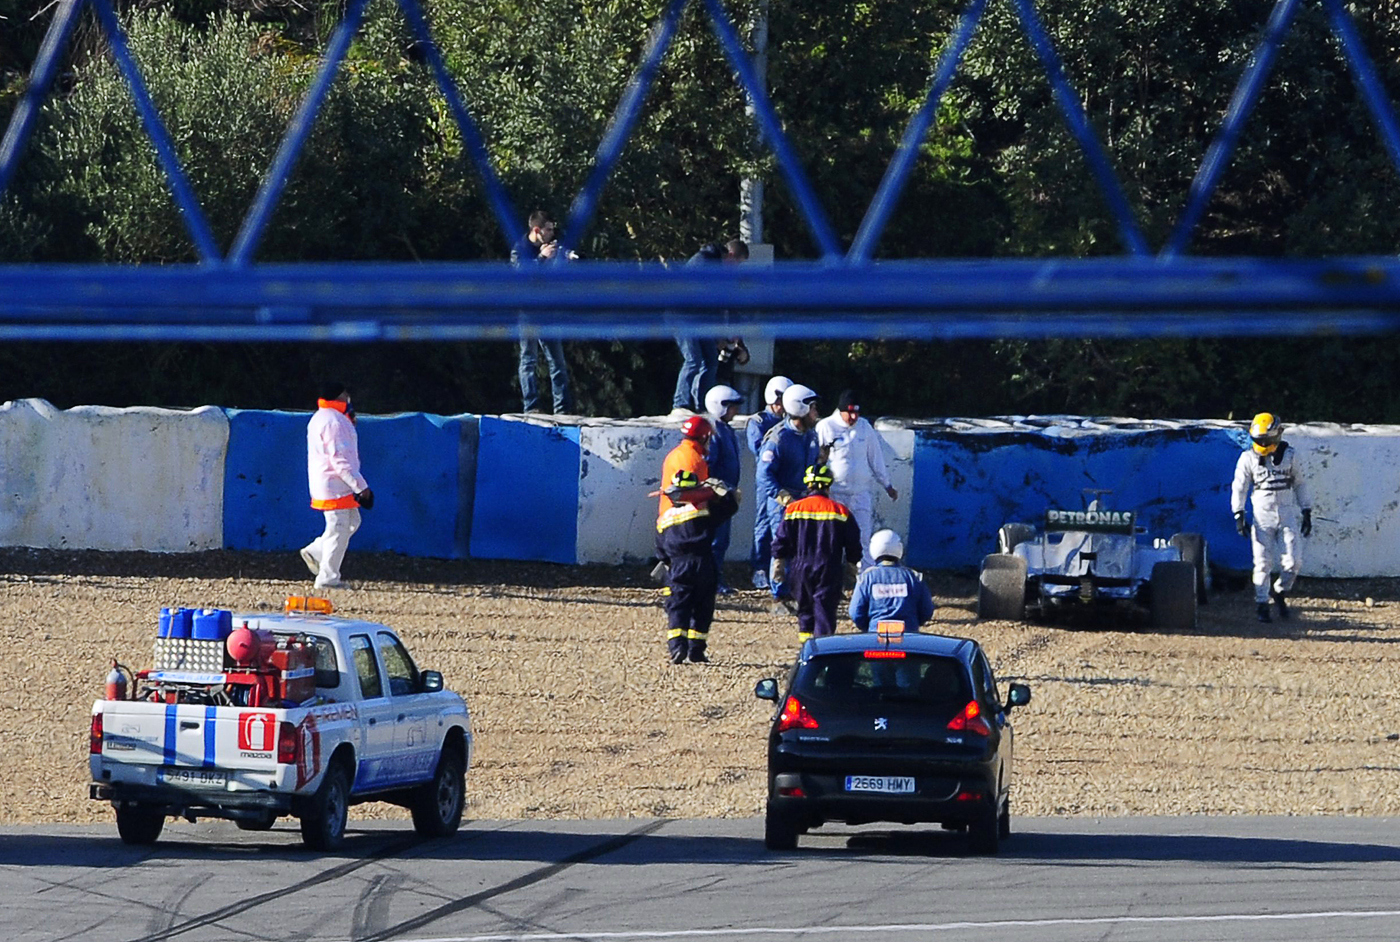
[(384, 176)]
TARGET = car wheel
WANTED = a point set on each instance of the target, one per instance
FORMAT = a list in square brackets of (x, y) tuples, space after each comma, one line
[(1004, 821), (1174, 596), (1192, 547), (1013, 534), (1001, 588), (779, 831), (139, 824), (984, 834), (262, 823), (323, 825), (437, 806)]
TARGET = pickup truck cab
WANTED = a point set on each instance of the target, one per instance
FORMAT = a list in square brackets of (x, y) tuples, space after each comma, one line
[(376, 729)]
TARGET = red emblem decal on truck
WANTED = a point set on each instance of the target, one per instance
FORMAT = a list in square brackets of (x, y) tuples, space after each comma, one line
[(257, 732)]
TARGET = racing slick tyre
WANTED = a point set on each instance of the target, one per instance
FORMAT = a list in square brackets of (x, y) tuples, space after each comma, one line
[(1193, 550), (323, 824), (1001, 588), (1012, 534), (984, 833), (779, 831), (437, 806), (139, 824), (1174, 596)]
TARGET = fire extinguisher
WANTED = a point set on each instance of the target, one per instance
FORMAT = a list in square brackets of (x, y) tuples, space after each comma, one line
[(119, 678)]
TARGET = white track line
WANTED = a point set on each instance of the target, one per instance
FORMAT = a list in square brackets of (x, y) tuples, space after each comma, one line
[(918, 927)]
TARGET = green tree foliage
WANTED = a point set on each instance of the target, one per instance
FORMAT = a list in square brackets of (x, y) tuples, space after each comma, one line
[(384, 176)]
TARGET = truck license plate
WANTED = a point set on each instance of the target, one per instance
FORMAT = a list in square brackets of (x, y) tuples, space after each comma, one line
[(889, 784), (193, 778)]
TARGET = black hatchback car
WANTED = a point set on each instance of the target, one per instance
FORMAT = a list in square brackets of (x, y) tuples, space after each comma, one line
[(908, 729)]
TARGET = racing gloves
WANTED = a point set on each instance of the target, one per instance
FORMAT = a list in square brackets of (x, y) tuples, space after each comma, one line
[(365, 498), (1306, 528), (1240, 526)]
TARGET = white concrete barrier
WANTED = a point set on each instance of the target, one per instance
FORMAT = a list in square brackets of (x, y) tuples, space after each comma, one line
[(111, 479), (1354, 475)]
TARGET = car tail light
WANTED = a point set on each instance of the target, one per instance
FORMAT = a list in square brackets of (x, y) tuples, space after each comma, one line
[(795, 716), (969, 719), (288, 744), (881, 655), (969, 796), (95, 735), (792, 791)]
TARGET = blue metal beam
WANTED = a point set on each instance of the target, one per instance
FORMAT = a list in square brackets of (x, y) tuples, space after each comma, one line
[(41, 77), (1120, 297)]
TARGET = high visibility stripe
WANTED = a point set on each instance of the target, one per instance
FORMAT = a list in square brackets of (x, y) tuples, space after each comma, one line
[(680, 515), (804, 636), (168, 744), (209, 737), (815, 515), (675, 633), (695, 634), (347, 502)]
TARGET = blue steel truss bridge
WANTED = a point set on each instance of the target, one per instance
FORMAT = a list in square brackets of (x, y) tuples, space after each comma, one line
[(844, 293)]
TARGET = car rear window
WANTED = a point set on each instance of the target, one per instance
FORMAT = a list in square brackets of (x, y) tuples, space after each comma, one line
[(854, 678)]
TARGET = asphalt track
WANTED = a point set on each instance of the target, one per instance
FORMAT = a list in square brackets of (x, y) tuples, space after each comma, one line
[(1121, 879)]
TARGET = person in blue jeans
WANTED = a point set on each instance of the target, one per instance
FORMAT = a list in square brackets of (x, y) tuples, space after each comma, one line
[(700, 356), (539, 244)]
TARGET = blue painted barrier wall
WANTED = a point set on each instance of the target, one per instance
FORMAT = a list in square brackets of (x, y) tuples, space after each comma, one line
[(967, 483), (413, 462), (527, 485)]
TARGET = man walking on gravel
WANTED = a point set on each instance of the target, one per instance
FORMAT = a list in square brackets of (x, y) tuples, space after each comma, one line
[(1282, 511), (338, 489)]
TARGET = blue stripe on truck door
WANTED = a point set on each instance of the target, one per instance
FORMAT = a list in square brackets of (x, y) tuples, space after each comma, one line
[(170, 726), (209, 737)]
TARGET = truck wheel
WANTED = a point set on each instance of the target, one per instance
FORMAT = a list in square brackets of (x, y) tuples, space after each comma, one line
[(437, 806), (263, 823), (1193, 550), (139, 824), (1001, 589), (779, 831), (1174, 596), (1012, 534), (323, 824), (984, 834)]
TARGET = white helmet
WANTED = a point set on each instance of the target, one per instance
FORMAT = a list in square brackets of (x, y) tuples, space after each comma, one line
[(798, 399), (719, 397), (886, 543), (773, 392)]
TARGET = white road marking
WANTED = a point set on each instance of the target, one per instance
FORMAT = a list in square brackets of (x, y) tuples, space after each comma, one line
[(918, 927)]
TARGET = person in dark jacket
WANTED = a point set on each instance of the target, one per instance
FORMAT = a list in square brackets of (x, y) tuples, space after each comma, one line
[(789, 450), (685, 543), (814, 536), (761, 556)]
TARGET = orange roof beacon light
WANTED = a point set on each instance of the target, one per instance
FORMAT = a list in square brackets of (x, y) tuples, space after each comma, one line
[(308, 603)]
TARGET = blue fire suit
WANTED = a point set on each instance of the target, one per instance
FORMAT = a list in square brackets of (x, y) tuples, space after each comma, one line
[(888, 591), (723, 461), (763, 524), (785, 456)]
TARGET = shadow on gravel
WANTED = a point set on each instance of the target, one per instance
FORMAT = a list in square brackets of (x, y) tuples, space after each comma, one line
[(644, 846)]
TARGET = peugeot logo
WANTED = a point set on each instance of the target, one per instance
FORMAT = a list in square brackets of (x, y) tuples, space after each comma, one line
[(881, 723)]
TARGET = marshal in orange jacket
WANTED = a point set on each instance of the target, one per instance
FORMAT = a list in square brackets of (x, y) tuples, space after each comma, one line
[(689, 455)]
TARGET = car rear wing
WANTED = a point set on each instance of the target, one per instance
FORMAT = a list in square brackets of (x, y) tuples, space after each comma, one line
[(1091, 521)]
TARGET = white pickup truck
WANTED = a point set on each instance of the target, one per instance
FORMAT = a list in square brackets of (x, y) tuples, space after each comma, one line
[(376, 729)]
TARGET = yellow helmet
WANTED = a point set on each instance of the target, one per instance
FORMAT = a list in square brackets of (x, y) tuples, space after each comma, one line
[(1265, 432)]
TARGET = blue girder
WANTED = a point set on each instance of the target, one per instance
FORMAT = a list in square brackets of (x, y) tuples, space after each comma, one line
[(843, 295)]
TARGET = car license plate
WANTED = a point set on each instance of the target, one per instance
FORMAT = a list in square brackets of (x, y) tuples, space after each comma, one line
[(194, 778), (889, 784)]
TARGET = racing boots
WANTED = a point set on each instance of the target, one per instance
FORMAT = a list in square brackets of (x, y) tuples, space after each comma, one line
[(1262, 612), (1277, 596)]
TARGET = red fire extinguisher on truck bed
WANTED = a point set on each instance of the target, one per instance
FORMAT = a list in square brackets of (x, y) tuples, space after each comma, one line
[(119, 680)]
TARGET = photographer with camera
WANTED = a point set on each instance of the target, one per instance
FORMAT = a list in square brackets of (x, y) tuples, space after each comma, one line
[(540, 244), (701, 358)]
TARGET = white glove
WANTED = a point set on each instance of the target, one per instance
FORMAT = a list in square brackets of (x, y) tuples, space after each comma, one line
[(783, 498), (716, 485)]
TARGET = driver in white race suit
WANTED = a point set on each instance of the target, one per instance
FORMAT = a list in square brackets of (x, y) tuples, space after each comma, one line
[(1282, 511)]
